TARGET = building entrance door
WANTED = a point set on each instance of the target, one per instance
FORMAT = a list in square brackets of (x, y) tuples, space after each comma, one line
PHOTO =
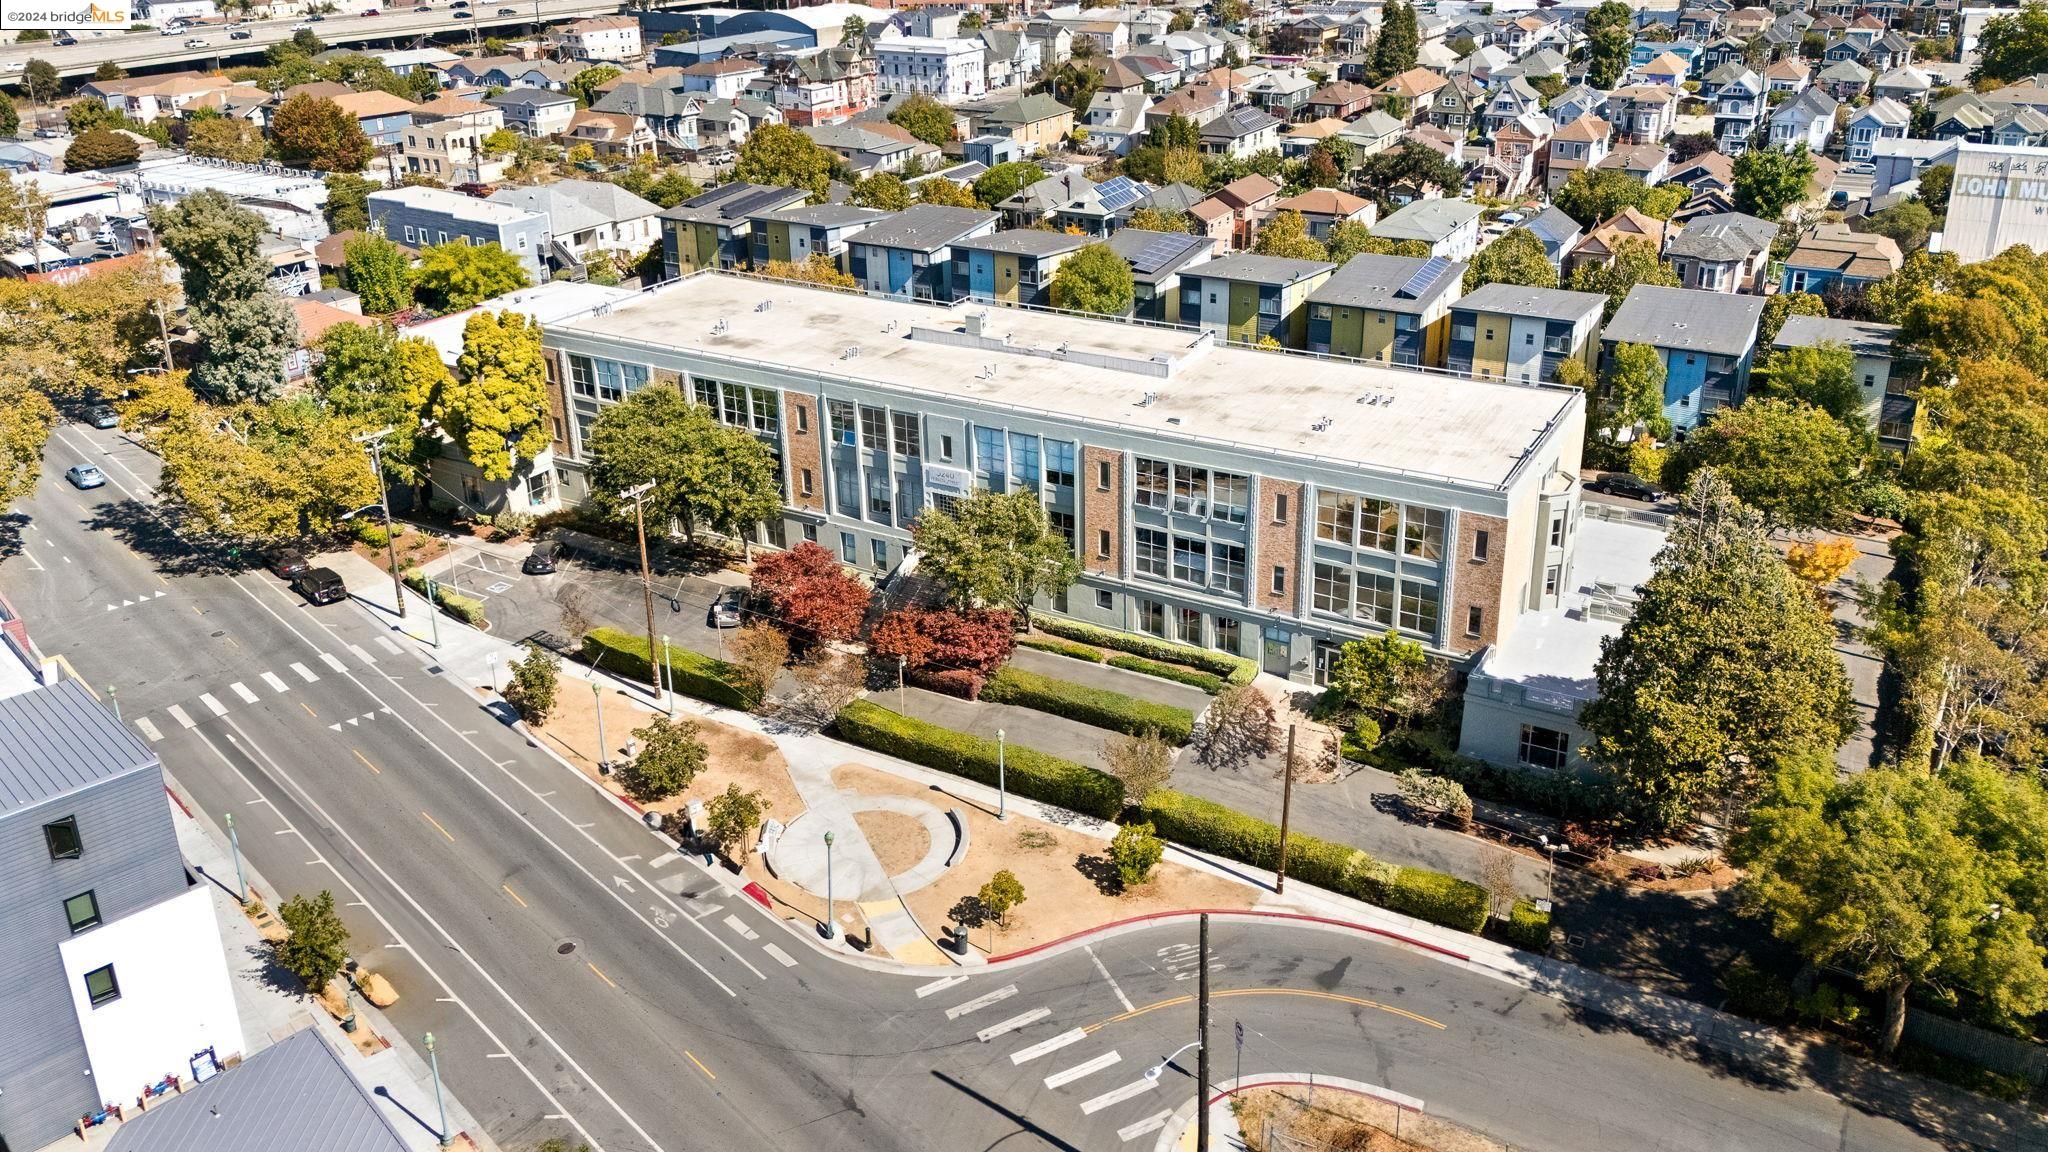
[(1278, 651)]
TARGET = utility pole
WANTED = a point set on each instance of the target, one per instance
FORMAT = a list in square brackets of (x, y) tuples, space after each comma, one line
[(1286, 803), (638, 495), (374, 441), (1202, 1053)]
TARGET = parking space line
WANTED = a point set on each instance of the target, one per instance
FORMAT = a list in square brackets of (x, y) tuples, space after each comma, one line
[(1068, 1076)]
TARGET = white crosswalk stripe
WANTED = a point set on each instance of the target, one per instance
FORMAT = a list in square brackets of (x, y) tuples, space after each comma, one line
[(147, 729), (1152, 1123), (1118, 1096), (179, 715), (276, 682), (1084, 1068), (212, 705), (333, 661), (979, 1002), (385, 643), (939, 985), (740, 926), (305, 673), (781, 957), (242, 690), (362, 654), (1046, 1046), (1020, 1020)]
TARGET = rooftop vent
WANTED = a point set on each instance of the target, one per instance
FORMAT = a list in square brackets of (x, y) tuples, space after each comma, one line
[(1322, 425), (718, 327), (988, 372), (850, 352), (1148, 399), (764, 305)]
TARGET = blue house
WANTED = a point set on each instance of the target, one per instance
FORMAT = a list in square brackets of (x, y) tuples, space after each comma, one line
[(1645, 51), (1831, 254), (1707, 341), (1013, 267), (417, 217), (911, 253)]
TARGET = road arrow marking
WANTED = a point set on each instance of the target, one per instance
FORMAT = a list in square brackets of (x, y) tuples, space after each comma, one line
[(622, 883), (159, 592), (1058, 1079), (354, 720), (335, 727)]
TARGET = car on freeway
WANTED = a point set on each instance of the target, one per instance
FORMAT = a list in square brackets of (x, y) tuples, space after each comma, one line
[(240, 34), (285, 563), (465, 15), (315, 18), (195, 42), (508, 11), (300, 26), (83, 476), (423, 7), (542, 560), (1625, 485), (102, 416), (320, 586), (372, 12), (725, 611)]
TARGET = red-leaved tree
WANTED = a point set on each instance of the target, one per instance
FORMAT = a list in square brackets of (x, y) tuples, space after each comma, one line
[(942, 640), (810, 594)]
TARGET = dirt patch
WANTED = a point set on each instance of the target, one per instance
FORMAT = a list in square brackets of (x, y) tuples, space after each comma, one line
[(1653, 877), (1296, 1119), (1063, 873), (734, 755), (415, 549), (899, 841)]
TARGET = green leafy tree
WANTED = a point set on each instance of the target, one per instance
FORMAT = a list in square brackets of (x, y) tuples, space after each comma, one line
[(10, 117), (86, 115), (1768, 181), (1000, 896), (1791, 462), (851, 29), (40, 81), (1780, 307), (1395, 48), (502, 142), (1094, 279), (496, 407), (1908, 223), (1824, 376), (1408, 165), (313, 132), (454, 277), (2013, 45), (706, 475), (100, 148), (1635, 390), (1142, 761), (1177, 132), (995, 549), (379, 273), (1727, 662), (1386, 675), (670, 757), (1516, 257), (1150, 219), (317, 948), (348, 202), (939, 190), (280, 470), (1286, 234), (1593, 195), (1905, 879), (584, 84), (375, 379), (245, 327), (1610, 34), (1072, 82), (924, 118), (1935, 181), (783, 156), (1133, 853), (883, 190), (732, 816), (226, 138), (672, 188), (1636, 261), (534, 683), (1350, 238), (1006, 180), (26, 420)]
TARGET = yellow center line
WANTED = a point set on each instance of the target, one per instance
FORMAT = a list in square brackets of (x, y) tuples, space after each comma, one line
[(232, 640), (366, 762), (196, 611), (1179, 1000), (313, 714), (160, 579), (438, 828), (601, 975), (699, 1064), (512, 894)]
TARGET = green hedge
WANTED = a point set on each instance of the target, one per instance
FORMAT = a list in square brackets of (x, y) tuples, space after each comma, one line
[(1210, 827), (1233, 669), (1058, 647), (1098, 706), (1192, 677), (691, 673), (1027, 772), (467, 609), (1526, 927)]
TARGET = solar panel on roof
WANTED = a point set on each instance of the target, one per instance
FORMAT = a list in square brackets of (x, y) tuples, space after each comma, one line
[(1159, 253), (1119, 193), (1431, 271)]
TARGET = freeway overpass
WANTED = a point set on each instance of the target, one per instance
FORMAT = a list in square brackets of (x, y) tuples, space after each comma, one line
[(398, 25)]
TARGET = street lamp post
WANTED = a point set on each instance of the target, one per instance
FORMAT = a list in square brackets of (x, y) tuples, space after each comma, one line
[(235, 846), (433, 615), (902, 697), (638, 495), (603, 755), (831, 917), (667, 677), (1002, 791), (1550, 848), (440, 1104), (115, 700), (374, 441)]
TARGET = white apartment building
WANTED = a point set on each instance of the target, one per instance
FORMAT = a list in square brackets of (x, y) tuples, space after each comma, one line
[(948, 70), (450, 149), (608, 39)]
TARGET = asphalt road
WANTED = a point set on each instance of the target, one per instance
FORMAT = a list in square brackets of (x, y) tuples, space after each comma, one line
[(578, 983), (398, 25)]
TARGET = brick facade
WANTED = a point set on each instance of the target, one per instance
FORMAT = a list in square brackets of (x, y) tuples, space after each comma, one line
[(1478, 582), (1102, 511), (1279, 544), (803, 451)]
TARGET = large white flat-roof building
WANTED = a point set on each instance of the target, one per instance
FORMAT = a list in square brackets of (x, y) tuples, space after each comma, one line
[(1269, 504), (1998, 199)]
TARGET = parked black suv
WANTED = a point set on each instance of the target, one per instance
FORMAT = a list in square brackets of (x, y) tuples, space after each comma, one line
[(320, 586)]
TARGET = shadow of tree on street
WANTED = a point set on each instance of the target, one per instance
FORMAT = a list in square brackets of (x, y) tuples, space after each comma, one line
[(150, 535), (11, 525)]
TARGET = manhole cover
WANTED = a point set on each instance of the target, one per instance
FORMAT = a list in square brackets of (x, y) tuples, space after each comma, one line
[(565, 947)]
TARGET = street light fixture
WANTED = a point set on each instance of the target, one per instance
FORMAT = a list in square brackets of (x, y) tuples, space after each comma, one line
[(374, 443), (831, 925), (1002, 791), (603, 752), (444, 1137)]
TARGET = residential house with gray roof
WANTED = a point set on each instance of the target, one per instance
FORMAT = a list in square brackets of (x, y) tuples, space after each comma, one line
[(1707, 341), (1014, 266), (801, 231), (1247, 299), (535, 112), (1887, 371), (587, 217), (1157, 260), (1722, 253), (1449, 227), (1394, 309), (295, 1094), (712, 230), (1513, 332), (1807, 118), (911, 253)]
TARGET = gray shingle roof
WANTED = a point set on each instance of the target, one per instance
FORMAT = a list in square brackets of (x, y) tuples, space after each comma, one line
[(1548, 303), (1427, 220), (1865, 337), (924, 227), (1721, 323), (729, 202), (1730, 236), (1262, 269), (293, 1095), (57, 740), (1553, 224), (1371, 281), (823, 215), (1155, 255), (1025, 242)]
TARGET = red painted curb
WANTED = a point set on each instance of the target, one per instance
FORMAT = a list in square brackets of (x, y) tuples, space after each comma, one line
[(760, 894), (1356, 927), (179, 801)]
